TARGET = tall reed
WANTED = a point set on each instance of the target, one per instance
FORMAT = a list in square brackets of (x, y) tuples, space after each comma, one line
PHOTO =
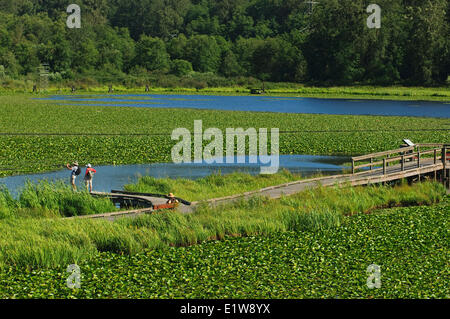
[(50, 242), (51, 199), (211, 186)]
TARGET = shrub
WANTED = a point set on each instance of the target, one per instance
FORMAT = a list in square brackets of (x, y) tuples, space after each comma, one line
[(180, 67)]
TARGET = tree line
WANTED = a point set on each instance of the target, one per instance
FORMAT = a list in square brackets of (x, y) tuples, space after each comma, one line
[(271, 40)]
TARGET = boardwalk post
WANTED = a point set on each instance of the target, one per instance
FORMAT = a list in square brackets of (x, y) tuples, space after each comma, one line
[(435, 162), (418, 159), (426, 167)]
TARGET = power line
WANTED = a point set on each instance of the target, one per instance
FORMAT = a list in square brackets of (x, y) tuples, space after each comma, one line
[(237, 133)]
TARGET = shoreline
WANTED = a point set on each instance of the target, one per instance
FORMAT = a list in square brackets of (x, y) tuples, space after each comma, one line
[(438, 94), (312, 132)]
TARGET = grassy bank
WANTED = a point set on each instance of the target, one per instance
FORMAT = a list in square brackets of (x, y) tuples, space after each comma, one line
[(37, 135), (409, 244), (46, 199), (271, 89), (212, 186), (51, 242), (51, 200)]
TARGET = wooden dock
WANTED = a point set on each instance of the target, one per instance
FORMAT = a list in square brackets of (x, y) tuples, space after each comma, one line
[(413, 163)]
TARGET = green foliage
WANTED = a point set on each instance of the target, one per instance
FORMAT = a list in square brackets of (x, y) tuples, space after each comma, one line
[(181, 67), (286, 42), (409, 244), (151, 54), (276, 59), (204, 52), (7, 203), (27, 241), (212, 186), (46, 199), (122, 135)]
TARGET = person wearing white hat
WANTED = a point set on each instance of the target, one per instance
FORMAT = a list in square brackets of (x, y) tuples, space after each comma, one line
[(76, 170), (89, 176)]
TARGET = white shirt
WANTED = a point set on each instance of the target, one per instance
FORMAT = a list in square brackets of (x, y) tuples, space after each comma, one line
[(74, 170)]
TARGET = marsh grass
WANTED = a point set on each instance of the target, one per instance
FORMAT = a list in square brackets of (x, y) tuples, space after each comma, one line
[(51, 199), (211, 186), (32, 242), (7, 203)]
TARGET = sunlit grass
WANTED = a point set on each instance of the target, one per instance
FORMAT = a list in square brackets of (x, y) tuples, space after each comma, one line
[(51, 199), (409, 244), (50, 241), (273, 89), (212, 186)]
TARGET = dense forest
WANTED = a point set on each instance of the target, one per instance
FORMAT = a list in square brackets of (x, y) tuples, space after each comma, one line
[(328, 43)]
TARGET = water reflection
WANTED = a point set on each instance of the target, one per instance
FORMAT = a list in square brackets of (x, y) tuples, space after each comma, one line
[(264, 104), (114, 177)]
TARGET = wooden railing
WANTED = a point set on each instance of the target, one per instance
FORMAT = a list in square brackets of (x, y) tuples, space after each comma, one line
[(403, 155)]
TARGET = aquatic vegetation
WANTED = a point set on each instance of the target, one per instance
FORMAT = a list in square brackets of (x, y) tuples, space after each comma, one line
[(409, 244), (36, 136), (51, 199), (50, 242)]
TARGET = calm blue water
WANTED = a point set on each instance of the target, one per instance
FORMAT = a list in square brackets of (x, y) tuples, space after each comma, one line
[(265, 104), (114, 177)]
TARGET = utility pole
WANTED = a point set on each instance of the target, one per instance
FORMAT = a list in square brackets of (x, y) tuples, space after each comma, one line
[(311, 5)]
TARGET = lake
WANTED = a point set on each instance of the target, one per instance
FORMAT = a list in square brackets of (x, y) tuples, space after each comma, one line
[(115, 177), (263, 104)]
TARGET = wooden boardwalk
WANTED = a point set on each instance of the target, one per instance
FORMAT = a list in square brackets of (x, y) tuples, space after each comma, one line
[(413, 163), (142, 203)]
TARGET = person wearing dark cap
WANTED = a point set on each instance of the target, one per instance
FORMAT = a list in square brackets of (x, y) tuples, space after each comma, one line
[(76, 170)]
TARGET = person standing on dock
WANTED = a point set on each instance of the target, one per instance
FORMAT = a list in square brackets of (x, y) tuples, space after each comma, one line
[(76, 170), (89, 176)]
